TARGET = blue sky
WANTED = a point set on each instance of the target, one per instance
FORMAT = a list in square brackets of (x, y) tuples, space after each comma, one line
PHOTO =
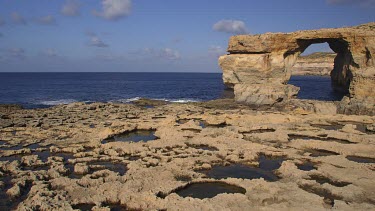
[(151, 35)]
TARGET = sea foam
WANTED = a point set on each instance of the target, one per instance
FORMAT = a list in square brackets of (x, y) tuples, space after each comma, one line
[(182, 100), (57, 102)]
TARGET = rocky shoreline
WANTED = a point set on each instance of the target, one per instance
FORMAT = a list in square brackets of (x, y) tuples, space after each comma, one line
[(157, 156)]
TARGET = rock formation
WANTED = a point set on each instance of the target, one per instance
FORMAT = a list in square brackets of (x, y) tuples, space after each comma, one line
[(319, 63), (56, 158), (259, 66)]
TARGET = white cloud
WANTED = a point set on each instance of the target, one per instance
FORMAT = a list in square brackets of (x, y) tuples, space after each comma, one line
[(231, 26), (95, 41), (18, 19), (46, 20), (216, 51), (114, 9), (71, 8), (365, 3)]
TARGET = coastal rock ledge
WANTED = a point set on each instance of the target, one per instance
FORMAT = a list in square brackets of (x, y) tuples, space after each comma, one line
[(258, 67)]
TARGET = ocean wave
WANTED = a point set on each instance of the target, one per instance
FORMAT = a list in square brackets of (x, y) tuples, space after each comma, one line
[(57, 102), (128, 100), (182, 100)]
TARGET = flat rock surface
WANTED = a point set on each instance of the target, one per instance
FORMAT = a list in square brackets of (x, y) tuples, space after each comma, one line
[(57, 159)]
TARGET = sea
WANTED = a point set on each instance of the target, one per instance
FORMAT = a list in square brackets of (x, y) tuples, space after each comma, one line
[(40, 90)]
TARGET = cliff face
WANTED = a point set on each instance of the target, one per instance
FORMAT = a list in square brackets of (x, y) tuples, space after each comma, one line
[(259, 66), (314, 64)]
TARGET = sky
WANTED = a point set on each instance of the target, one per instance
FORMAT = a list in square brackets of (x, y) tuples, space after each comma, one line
[(152, 35)]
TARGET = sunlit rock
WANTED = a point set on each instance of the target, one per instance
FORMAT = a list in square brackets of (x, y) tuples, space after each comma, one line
[(264, 63)]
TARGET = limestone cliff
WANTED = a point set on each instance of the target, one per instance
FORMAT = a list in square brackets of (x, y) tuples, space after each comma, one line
[(318, 63), (259, 66)]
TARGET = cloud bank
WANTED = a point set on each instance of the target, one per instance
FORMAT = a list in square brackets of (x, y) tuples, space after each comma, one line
[(231, 27), (114, 9)]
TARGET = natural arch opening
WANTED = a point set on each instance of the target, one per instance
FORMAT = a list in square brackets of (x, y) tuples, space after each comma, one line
[(321, 68), (317, 59)]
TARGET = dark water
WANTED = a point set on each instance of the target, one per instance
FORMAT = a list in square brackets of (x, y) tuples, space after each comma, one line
[(239, 171), (209, 190), (134, 136), (315, 87), (46, 89), (266, 168)]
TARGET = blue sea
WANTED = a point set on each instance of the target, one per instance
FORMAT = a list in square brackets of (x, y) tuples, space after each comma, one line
[(38, 90)]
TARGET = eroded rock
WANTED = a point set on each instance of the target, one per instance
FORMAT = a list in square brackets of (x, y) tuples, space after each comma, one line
[(302, 159), (259, 66)]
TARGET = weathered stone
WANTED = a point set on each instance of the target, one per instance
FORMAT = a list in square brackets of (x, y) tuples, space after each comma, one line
[(267, 60), (156, 169), (252, 69), (356, 106), (314, 106), (30, 160), (9, 107), (256, 94), (81, 168), (14, 191)]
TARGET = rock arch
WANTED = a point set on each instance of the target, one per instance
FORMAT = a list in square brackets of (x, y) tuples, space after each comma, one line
[(341, 74), (258, 67)]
